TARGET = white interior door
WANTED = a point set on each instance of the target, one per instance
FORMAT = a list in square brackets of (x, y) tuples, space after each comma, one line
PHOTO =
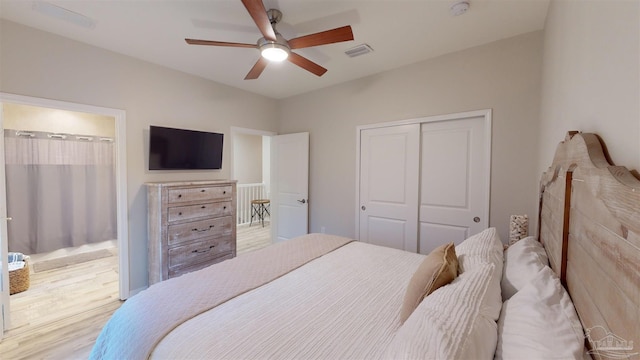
[(290, 185), (4, 243), (454, 181), (389, 169)]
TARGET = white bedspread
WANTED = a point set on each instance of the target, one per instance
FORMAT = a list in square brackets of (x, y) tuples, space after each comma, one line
[(343, 305), (139, 324)]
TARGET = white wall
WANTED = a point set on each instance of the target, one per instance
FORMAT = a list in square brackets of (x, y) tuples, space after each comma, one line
[(504, 75), (591, 77), (247, 158), (40, 64)]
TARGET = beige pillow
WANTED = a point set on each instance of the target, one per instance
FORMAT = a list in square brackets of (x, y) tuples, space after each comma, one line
[(439, 268)]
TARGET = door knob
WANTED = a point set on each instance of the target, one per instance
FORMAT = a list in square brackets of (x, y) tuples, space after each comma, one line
[(476, 219), (303, 201), (363, 208), (8, 218)]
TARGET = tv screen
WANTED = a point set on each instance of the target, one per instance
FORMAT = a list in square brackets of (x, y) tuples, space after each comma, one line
[(178, 149)]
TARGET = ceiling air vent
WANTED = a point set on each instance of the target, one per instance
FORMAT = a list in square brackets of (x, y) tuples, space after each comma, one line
[(359, 50)]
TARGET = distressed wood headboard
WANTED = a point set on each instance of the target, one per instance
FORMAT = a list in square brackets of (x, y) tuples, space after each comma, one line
[(589, 223)]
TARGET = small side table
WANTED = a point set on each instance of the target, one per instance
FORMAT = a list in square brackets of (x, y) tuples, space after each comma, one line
[(259, 208)]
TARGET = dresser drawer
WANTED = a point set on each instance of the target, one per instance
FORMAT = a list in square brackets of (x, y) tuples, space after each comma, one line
[(203, 193), (201, 210), (198, 251), (193, 267), (198, 229)]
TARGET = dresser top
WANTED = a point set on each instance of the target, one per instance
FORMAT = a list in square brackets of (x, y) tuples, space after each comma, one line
[(188, 183)]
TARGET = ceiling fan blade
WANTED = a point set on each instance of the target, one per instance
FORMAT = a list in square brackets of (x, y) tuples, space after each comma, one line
[(325, 37), (219, 43), (259, 14), (306, 64), (257, 69)]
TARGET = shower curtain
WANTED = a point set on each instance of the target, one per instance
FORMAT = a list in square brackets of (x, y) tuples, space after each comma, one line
[(61, 190)]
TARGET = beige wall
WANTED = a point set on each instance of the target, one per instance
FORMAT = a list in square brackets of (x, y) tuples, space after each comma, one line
[(39, 64), (503, 76), (32, 118), (247, 157), (591, 77)]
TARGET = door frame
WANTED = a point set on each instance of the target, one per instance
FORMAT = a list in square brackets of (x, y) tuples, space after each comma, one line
[(121, 171), (486, 113)]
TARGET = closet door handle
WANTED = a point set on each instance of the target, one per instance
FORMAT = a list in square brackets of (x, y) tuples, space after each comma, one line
[(8, 218)]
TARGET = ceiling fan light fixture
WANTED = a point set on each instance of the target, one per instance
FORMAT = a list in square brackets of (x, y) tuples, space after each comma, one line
[(274, 52)]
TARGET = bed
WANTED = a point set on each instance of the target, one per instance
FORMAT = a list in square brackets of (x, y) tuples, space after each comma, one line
[(572, 293)]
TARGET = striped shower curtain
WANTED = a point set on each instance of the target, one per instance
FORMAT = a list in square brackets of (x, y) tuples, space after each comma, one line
[(61, 190)]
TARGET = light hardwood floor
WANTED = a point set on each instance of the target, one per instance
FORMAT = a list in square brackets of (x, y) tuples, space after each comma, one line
[(64, 309), (252, 237)]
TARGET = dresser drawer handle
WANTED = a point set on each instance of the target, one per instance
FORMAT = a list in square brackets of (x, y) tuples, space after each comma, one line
[(179, 195), (203, 251), (224, 208), (203, 190), (203, 207), (203, 230), (224, 191), (180, 213)]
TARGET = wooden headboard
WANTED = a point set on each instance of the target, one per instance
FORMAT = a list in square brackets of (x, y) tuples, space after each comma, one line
[(589, 223)]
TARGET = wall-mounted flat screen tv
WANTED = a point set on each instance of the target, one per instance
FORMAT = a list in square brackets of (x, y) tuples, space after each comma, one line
[(179, 149)]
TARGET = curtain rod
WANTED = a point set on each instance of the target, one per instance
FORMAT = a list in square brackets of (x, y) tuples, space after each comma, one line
[(61, 136)]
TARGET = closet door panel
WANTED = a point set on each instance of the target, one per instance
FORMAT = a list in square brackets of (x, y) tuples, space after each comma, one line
[(433, 235), (453, 181), (389, 164)]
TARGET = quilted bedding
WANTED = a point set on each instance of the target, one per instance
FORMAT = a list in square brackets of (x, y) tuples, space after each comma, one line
[(145, 319), (343, 305)]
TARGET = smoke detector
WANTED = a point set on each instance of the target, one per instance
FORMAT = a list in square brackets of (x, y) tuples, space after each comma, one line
[(459, 7)]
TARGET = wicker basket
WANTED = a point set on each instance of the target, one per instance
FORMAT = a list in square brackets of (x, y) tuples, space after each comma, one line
[(19, 279)]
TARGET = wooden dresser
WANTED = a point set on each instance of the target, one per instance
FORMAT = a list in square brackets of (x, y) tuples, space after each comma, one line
[(191, 225)]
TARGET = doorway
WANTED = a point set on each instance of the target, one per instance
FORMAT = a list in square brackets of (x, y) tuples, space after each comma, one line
[(118, 123), (251, 159)]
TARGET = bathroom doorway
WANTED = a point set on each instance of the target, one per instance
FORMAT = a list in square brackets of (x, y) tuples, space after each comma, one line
[(70, 125)]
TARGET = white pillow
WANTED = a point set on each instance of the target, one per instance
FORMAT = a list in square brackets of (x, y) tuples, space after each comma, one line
[(484, 247), (522, 262), (540, 322), (451, 323), (478, 250)]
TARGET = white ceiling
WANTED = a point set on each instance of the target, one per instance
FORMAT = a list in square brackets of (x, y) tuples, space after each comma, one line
[(400, 32)]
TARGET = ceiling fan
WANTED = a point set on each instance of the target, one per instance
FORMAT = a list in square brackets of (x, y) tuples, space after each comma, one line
[(274, 47)]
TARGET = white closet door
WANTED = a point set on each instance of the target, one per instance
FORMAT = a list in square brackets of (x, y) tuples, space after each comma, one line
[(454, 181), (389, 170)]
